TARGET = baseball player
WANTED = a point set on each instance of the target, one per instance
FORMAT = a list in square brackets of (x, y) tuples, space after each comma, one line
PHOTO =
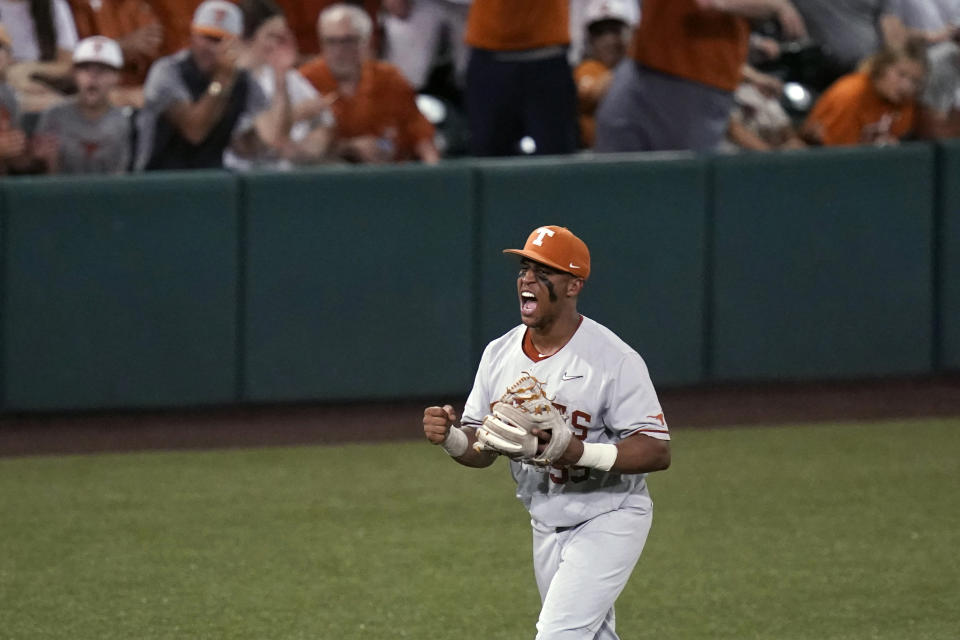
[(574, 409)]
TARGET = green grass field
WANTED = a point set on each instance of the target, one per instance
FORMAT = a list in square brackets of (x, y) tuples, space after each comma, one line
[(817, 532)]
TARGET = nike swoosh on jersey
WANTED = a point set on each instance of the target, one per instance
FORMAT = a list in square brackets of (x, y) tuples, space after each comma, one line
[(565, 377)]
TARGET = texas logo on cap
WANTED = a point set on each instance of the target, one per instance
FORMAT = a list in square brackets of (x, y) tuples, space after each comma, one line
[(98, 50), (557, 247), (218, 19)]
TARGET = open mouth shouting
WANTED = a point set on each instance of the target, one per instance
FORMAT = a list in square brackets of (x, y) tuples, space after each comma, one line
[(528, 303)]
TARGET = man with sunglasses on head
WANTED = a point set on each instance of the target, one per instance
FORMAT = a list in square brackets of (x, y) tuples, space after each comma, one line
[(199, 102), (583, 478)]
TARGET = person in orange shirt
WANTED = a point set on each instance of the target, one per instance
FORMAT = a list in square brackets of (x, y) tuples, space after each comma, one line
[(376, 114), (607, 23), (175, 17), (302, 17), (875, 105), (519, 85), (677, 91), (134, 26)]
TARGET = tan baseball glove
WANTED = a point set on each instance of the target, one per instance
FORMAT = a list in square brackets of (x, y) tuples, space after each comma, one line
[(507, 430)]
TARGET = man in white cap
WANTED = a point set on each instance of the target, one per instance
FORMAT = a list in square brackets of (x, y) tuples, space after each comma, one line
[(87, 134), (607, 26), (198, 102)]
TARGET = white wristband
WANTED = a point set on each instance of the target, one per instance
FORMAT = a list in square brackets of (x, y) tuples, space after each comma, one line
[(456, 443), (598, 456)]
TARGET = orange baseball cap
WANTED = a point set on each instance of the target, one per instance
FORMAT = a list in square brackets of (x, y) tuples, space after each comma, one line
[(557, 247)]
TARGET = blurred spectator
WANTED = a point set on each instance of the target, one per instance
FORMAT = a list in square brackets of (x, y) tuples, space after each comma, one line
[(175, 17), (87, 134), (302, 15), (579, 10), (198, 102), (940, 102), (43, 36), (134, 25), (607, 23), (520, 92), (270, 53), (413, 31), (934, 20), (876, 105), (13, 141), (849, 31), (688, 59), (376, 115), (759, 122)]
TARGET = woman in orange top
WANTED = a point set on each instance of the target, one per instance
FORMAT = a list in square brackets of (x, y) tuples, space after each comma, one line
[(875, 105)]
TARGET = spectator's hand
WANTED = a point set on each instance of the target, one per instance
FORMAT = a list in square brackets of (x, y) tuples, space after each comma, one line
[(314, 108), (791, 22), (45, 147), (228, 57), (365, 149), (145, 40), (13, 143), (766, 47), (397, 8), (886, 140), (812, 133), (770, 86)]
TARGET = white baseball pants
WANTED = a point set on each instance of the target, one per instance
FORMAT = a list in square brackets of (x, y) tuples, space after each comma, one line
[(582, 570)]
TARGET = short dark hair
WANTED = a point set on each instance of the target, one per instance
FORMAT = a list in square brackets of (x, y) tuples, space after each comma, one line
[(255, 13)]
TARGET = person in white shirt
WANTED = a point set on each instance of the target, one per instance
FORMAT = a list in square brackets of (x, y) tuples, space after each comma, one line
[(269, 46), (591, 510), (413, 30)]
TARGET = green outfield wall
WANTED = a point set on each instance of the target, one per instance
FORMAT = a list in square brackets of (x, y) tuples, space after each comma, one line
[(948, 258), (120, 292), (823, 264), (191, 289)]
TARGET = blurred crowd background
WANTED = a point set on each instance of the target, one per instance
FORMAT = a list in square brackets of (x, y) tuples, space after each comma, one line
[(113, 86)]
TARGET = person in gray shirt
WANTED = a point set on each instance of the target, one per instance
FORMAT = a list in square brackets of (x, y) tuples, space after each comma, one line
[(848, 30), (199, 102), (87, 134), (935, 19)]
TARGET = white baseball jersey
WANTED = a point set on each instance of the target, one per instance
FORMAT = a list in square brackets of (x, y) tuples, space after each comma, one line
[(602, 386)]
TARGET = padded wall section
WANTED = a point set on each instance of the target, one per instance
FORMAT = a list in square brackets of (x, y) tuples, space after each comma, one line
[(949, 257), (358, 284), (120, 292), (822, 264), (644, 222), (3, 302)]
